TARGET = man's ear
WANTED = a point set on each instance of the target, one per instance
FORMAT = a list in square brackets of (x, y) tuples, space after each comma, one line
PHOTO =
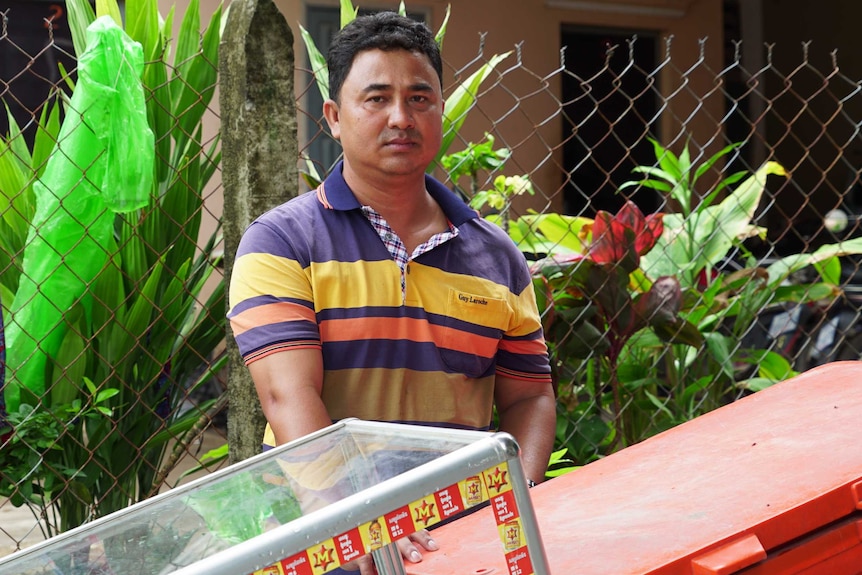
[(330, 112)]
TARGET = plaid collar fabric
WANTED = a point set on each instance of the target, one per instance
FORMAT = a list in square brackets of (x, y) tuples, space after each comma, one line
[(397, 248)]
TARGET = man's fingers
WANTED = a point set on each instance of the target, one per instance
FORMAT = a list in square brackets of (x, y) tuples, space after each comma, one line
[(364, 565), (424, 539), (408, 548), (412, 552)]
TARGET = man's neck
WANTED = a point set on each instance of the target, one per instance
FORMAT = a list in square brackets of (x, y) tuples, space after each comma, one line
[(404, 202), (395, 197)]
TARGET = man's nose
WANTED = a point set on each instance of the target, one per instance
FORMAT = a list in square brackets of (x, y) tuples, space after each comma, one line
[(400, 115)]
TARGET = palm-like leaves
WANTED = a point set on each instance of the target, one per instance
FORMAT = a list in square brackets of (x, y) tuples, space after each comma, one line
[(148, 334)]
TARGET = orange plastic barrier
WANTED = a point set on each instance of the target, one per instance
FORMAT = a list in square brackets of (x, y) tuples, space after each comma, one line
[(770, 484)]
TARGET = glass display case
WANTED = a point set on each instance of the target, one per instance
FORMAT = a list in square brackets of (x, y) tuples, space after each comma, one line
[(308, 507)]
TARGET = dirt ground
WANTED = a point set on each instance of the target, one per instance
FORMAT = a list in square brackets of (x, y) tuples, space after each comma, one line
[(18, 526)]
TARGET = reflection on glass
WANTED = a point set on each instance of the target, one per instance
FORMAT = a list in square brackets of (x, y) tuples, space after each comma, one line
[(193, 522)]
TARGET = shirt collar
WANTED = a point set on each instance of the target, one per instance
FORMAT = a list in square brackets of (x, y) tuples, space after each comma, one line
[(337, 195)]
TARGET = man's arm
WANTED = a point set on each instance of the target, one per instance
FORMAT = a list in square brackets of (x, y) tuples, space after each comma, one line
[(289, 385), (528, 411)]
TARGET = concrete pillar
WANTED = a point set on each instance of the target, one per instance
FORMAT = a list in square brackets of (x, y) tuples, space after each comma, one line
[(259, 164)]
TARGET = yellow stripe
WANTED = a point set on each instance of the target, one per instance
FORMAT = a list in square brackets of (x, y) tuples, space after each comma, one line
[(356, 284), (434, 288), (259, 274), (407, 395)]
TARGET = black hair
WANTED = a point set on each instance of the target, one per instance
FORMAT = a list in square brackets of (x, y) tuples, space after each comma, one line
[(380, 31)]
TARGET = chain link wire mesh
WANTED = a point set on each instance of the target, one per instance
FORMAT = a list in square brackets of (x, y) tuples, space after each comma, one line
[(133, 383), (763, 307), (767, 305)]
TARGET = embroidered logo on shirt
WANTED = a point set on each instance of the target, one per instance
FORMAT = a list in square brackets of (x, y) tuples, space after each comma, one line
[(469, 298)]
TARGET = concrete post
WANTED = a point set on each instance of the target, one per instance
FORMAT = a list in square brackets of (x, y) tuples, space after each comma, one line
[(259, 163)]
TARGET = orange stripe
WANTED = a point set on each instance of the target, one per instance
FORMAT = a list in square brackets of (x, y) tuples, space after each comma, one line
[(249, 359), (270, 313), (524, 376), (321, 197), (523, 347), (376, 328), (400, 328)]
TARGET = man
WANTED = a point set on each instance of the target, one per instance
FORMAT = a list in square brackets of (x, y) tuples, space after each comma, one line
[(381, 295)]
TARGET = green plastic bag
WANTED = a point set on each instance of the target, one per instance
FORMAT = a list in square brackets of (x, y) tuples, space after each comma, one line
[(102, 164)]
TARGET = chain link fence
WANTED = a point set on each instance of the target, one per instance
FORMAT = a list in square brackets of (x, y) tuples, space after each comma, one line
[(114, 305), (753, 279), (755, 171)]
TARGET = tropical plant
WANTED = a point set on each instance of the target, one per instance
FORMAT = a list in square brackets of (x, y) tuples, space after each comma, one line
[(611, 298), (145, 333), (621, 382), (724, 303), (475, 158), (457, 105)]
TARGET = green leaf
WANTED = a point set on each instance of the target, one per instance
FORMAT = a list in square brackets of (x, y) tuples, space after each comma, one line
[(181, 425), (658, 404), (348, 12), (81, 15), (729, 220), (142, 26), (106, 394), (726, 182), (461, 101), (564, 232), (109, 8), (781, 269), (70, 366), (756, 383), (717, 344), (441, 32), (680, 332), (194, 82), (829, 269), (13, 185), (776, 367), (47, 132), (318, 63), (16, 143), (209, 459)]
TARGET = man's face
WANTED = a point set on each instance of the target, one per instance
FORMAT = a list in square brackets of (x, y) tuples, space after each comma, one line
[(389, 118)]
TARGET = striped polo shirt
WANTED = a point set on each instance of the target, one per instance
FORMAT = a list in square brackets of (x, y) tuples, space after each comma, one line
[(419, 342)]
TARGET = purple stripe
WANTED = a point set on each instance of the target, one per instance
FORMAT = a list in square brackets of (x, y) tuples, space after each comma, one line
[(500, 262), (371, 312), (537, 364), (538, 334), (265, 300), (302, 226), (404, 354), (274, 333)]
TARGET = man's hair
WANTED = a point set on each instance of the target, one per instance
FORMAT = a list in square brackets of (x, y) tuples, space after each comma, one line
[(380, 31)]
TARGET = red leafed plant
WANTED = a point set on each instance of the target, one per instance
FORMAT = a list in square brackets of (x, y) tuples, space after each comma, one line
[(604, 288)]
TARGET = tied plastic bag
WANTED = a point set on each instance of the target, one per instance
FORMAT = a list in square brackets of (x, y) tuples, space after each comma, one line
[(102, 164)]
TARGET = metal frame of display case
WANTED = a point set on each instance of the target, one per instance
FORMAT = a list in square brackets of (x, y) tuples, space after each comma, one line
[(487, 469)]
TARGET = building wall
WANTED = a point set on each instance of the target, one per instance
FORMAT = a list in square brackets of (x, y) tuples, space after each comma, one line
[(816, 55), (535, 25)]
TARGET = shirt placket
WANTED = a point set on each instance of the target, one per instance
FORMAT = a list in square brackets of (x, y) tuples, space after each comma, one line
[(398, 250)]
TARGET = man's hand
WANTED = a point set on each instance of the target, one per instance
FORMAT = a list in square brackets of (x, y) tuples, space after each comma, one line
[(406, 545)]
